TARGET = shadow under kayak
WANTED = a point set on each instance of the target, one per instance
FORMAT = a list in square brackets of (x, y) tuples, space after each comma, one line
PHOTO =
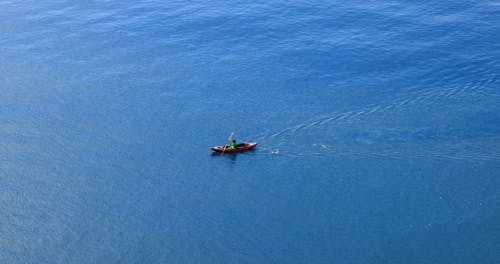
[(228, 149)]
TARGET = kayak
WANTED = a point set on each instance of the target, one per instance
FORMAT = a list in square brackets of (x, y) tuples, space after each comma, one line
[(228, 149)]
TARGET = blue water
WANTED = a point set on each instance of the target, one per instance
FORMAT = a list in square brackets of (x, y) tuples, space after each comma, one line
[(378, 125)]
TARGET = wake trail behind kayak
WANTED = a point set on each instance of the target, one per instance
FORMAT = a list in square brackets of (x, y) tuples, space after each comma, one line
[(376, 130)]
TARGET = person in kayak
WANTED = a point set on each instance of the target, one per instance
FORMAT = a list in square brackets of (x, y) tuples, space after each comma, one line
[(234, 144)]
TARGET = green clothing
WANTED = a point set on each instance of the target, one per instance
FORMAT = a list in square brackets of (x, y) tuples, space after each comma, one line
[(234, 145)]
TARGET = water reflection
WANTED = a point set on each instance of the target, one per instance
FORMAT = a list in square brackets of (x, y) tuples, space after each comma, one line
[(230, 156)]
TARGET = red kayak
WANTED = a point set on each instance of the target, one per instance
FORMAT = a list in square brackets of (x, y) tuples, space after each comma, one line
[(228, 149)]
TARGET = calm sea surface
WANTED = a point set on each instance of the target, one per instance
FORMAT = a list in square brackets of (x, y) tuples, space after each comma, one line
[(378, 125)]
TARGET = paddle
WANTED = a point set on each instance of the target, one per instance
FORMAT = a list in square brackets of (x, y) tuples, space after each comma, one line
[(225, 145)]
